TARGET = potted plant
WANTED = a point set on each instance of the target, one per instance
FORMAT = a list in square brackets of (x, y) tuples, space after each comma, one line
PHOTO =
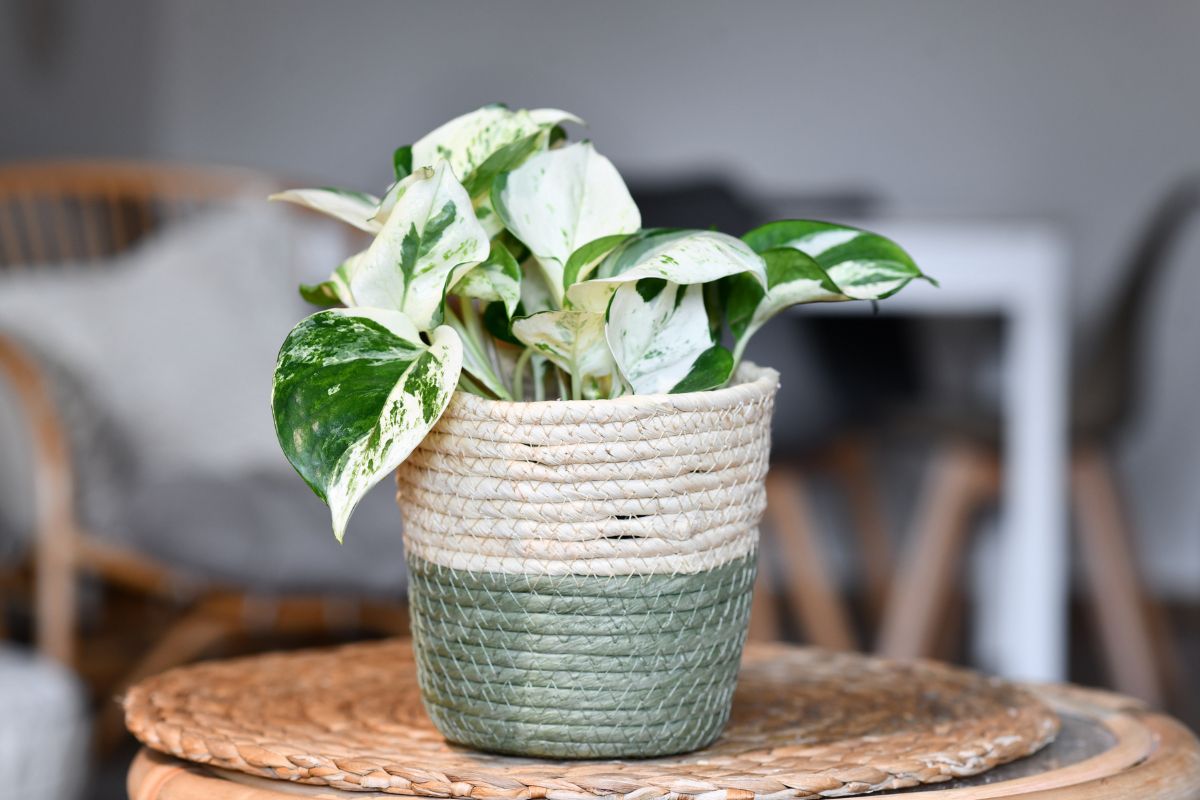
[(579, 455)]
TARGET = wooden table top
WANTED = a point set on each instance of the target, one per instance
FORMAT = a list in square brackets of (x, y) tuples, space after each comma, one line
[(1109, 747)]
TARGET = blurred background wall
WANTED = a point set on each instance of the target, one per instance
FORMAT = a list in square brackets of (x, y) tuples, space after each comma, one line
[(1078, 111)]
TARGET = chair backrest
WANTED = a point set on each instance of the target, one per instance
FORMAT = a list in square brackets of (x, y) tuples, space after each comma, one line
[(1106, 390), (84, 211)]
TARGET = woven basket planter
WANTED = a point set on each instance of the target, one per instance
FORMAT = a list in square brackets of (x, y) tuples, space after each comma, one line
[(581, 572)]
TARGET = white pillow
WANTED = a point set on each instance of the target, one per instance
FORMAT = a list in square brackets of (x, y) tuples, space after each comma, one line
[(177, 338)]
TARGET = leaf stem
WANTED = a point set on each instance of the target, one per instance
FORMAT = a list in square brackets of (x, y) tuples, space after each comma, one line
[(518, 387)]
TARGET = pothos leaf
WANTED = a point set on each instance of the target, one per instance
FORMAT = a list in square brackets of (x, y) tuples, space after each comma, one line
[(496, 279), (659, 336), (336, 290), (863, 265), (498, 322), (586, 258), (356, 208), (574, 340), (792, 278), (429, 232), (561, 199), (467, 142), (355, 391), (402, 162), (678, 256)]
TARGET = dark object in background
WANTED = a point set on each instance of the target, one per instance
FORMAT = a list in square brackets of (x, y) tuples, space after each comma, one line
[(1105, 392), (845, 371)]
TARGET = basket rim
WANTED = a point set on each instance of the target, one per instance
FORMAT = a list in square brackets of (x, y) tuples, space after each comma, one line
[(753, 382)]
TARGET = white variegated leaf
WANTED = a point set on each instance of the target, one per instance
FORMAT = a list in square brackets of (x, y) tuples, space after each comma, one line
[(659, 335), (561, 199), (355, 391), (467, 141), (684, 257), (863, 265), (496, 279), (574, 340), (431, 230), (356, 208)]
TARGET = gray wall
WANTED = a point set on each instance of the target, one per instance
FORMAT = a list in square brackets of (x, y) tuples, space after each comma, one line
[(1078, 110)]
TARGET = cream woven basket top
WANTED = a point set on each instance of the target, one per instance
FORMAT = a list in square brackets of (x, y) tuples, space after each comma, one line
[(665, 483)]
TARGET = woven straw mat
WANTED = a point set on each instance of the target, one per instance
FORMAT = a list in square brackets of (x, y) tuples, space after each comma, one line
[(806, 723)]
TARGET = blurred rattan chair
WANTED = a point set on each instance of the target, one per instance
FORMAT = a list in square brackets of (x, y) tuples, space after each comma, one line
[(81, 213), (965, 476)]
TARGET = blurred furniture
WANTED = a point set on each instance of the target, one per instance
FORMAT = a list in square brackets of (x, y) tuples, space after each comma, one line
[(43, 728), (1017, 272), (82, 212), (1107, 746), (1104, 398), (793, 566)]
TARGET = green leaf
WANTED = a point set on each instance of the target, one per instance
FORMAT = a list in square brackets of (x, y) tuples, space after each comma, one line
[(355, 208), (678, 256), (660, 338), (402, 162), (792, 278), (479, 181), (586, 258), (561, 199), (497, 321), (711, 369), (496, 279), (467, 142), (336, 290), (429, 232), (863, 265), (574, 340), (355, 391)]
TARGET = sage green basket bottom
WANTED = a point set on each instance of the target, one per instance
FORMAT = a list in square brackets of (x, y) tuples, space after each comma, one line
[(579, 666)]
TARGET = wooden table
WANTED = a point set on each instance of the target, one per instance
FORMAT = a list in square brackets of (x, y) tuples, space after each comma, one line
[(1109, 747)]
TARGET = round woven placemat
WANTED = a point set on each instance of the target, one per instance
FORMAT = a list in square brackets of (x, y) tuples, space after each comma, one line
[(806, 723)]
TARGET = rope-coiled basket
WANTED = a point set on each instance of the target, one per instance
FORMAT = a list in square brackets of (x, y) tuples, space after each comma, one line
[(581, 571)]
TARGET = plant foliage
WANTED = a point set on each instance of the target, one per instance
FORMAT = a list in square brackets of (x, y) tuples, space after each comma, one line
[(510, 263)]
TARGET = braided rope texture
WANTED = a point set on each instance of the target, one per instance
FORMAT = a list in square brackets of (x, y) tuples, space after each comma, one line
[(805, 724), (582, 571)]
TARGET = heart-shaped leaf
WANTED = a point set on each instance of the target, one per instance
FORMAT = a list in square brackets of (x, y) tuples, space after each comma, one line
[(678, 256), (561, 199), (863, 265), (574, 340), (356, 208), (467, 142), (429, 232), (355, 391), (659, 335)]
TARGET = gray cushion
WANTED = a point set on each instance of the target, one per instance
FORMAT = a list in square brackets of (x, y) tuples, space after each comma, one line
[(268, 532)]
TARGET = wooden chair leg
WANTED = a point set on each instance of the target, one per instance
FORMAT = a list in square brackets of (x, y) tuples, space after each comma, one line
[(1114, 585), (851, 462), (960, 478), (808, 587)]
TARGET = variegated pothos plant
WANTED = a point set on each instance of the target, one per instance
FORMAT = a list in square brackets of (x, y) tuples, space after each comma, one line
[(512, 264)]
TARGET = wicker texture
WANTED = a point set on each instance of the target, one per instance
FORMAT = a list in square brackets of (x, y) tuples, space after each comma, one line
[(581, 571), (805, 723)]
